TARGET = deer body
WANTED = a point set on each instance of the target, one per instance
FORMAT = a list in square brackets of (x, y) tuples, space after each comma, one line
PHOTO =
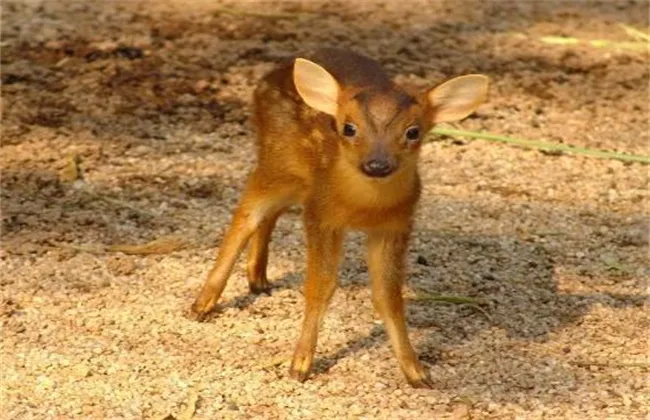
[(338, 137)]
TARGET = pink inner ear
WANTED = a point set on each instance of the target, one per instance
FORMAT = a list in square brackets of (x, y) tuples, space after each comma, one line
[(457, 98), (316, 86)]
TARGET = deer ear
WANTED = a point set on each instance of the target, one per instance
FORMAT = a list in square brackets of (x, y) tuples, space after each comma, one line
[(316, 86), (455, 99)]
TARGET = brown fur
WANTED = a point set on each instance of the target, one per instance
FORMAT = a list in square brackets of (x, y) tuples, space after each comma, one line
[(303, 159)]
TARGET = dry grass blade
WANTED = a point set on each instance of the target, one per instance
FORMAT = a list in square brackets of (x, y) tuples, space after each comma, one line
[(71, 172), (559, 40), (164, 245), (598, 43), (632, 46), (635, 33), (473, 303), (482, 311)]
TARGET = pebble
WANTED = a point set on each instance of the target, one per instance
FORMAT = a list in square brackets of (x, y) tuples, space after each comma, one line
[(356, 409), (201, 85)]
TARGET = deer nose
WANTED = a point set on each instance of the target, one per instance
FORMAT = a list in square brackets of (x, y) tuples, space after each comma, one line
[(377, 168)]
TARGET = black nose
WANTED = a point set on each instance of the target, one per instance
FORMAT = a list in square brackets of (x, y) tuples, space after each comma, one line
[(377, 168)]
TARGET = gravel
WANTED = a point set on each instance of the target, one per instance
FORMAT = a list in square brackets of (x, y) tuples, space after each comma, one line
[(152, 99)]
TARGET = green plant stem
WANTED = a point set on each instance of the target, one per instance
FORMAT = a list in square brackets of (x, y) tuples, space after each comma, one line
[(536, 144)]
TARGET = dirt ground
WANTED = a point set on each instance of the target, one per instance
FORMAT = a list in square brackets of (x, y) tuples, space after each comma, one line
[(152, 99)]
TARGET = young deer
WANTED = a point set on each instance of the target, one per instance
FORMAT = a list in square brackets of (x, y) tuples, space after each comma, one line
[(338, 137)]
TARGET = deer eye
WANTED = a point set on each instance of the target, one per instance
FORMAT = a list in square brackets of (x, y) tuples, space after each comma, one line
[(413, 133), (349, 130)]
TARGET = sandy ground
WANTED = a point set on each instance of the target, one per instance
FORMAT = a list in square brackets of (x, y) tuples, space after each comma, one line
[(152, 99)]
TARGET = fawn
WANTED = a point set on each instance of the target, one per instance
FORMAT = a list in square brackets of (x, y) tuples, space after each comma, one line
[(339, 137)]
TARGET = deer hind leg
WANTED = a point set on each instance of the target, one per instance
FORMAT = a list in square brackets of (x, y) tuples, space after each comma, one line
[(258, 204), (258, 252)]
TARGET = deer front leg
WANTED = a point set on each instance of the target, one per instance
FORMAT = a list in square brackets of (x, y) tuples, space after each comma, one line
[(386, 254), (323, 254)]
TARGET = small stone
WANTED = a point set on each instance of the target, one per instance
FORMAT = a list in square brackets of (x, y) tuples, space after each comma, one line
[(121, 265), (45, 382), (201, 85), (356, 409), (460, 412), (627, 401), (105, 46), (612, 195), (81, 370), (54, 45), (186, 99), (634, 237), (488, 276), (130, 53), (422, 261)]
